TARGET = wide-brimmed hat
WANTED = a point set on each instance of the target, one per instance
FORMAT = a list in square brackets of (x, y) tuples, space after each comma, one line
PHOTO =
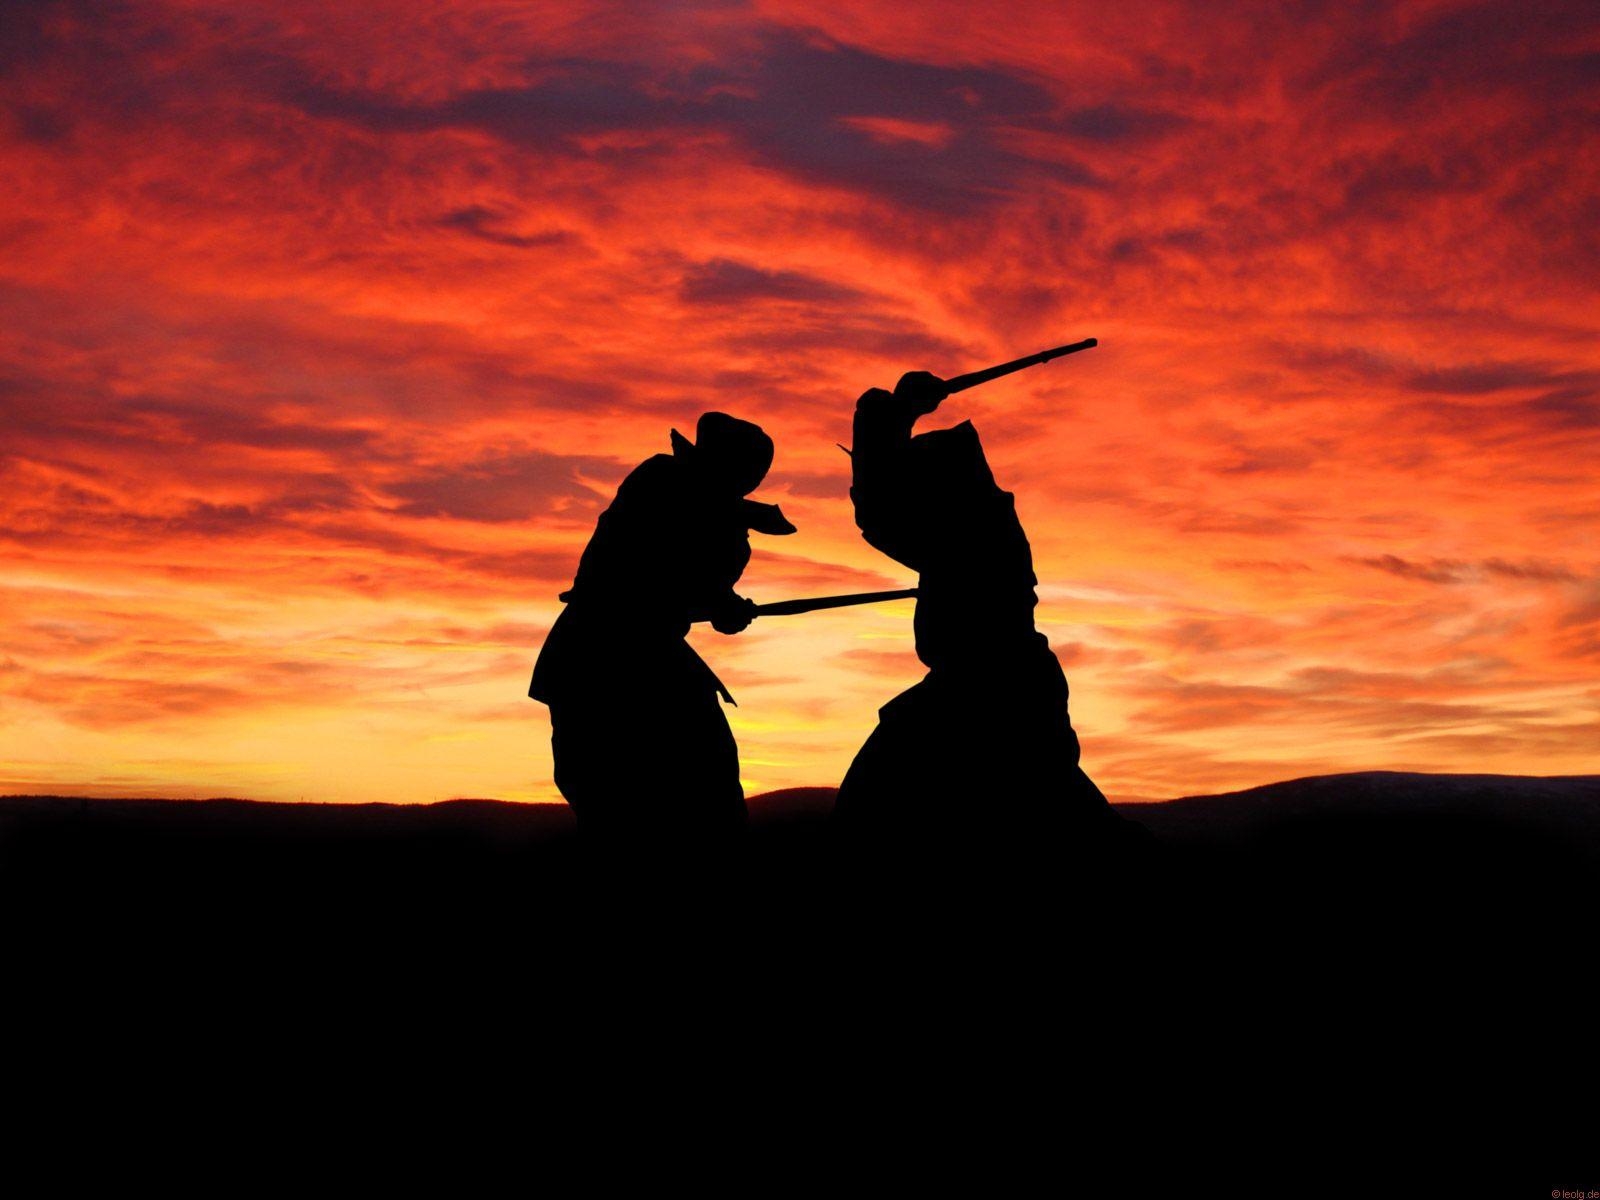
[(734, 455), (730, 452)]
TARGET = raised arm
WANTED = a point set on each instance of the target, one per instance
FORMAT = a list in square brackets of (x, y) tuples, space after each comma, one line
[(883, 486)]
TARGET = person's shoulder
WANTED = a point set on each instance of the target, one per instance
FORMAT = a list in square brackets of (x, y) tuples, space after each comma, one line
[(657, 471), (877, 401), (656, 490)]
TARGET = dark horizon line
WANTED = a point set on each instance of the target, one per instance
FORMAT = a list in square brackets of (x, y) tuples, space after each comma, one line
[(561, 804)]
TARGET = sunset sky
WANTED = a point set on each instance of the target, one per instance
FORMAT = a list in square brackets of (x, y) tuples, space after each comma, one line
[(329, 329)]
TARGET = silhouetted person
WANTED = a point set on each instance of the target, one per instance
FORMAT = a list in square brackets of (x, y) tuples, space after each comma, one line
[(640, 742), (982, 748)]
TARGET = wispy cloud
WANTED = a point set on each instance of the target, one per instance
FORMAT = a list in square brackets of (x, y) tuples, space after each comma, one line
[(330, 329)]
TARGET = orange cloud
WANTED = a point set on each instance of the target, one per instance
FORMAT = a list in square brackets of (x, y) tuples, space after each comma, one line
[(329, 331)]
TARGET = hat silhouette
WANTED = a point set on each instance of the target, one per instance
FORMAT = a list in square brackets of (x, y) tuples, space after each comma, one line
[(728, 452)]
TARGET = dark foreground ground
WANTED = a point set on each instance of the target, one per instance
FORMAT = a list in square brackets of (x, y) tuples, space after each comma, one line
[(1343, 841), (1495, 871), (1383, 948)]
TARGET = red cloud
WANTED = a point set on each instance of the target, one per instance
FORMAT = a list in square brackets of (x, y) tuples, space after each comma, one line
[(324, 318)]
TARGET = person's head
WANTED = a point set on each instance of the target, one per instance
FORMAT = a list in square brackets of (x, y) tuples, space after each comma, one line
[(730, 454)]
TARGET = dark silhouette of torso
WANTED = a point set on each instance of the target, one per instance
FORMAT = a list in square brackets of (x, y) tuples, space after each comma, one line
[(640, 743)]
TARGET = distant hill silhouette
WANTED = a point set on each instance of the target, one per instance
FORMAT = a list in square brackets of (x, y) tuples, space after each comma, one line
[(1370, 839), (1561, 800), (1564, 808)]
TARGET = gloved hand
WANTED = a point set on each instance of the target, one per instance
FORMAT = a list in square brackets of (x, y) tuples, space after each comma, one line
[(922, 391), (735, 617)]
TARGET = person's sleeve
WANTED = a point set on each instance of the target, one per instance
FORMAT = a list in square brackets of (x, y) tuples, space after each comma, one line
[(881, 486)]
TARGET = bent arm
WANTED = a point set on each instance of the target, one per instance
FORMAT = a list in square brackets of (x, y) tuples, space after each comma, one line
[(883, 486)]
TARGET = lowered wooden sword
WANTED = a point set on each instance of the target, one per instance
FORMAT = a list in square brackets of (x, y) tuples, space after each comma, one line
[(788, 608)]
